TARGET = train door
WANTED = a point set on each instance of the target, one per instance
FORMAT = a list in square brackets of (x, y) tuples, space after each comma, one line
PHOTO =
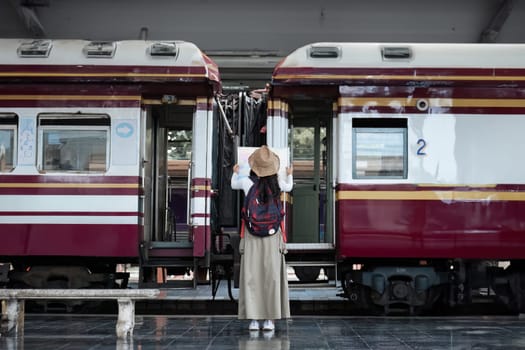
[(311, 229), (167, 147), (168, 144), (306, 150)]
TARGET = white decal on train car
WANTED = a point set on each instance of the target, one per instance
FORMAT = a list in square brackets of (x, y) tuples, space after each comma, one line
[(27, 139), (200, 144), (125, 142)]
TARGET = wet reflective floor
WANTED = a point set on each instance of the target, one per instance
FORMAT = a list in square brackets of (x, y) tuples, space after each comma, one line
[(44, 332)]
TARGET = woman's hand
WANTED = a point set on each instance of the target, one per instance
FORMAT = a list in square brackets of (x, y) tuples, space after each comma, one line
[(236, 168), (289, 170)]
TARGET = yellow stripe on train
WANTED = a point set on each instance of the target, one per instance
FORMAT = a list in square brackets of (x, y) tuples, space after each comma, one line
[(432, 195), (70, 97)]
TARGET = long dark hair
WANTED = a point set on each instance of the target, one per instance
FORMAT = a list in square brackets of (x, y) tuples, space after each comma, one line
[(268, 186)]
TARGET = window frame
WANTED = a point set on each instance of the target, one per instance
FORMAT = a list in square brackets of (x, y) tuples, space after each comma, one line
[(381, 130), (14, 127), (93, 126)]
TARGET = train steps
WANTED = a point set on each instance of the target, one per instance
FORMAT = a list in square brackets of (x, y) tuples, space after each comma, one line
[(312, 274), (172, 262)]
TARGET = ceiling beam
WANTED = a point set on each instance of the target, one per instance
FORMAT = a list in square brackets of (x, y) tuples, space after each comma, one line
[(26, 12), (490, 34)]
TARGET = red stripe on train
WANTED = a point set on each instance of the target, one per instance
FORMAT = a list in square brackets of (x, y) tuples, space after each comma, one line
[(93, 69), (70, 185), (200, 215), (432, 110), (201, 181), (69, 240), (79, 191), (430, 187), (431, 229), (416, 73), (69, 213), (201, 240), (414, 93), (80, 179), (72, 102), (71, 89)]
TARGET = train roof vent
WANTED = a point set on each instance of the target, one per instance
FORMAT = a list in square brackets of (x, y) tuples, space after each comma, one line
[(396, 53), (325, 51), (163, 49), (100, 49), (34, 48)]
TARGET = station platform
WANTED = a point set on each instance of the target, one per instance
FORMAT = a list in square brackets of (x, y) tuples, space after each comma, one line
[(59, 331), (320, 297), (321, 290), (199, 301)]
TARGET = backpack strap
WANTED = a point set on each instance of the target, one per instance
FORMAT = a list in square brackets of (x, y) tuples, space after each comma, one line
[(255, 181), (282, 199), (283, 232)]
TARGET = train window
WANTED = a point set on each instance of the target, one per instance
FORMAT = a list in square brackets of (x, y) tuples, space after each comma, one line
[(76, 143), (179, 144), (379, 149), (179, 152), (304, 152), (8, 137)]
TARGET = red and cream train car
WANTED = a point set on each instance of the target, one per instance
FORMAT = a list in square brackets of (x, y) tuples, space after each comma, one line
[(409, 168), (88, 135)]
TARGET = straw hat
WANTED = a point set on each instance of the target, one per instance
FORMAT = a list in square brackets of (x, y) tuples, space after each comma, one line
[(264, 162)]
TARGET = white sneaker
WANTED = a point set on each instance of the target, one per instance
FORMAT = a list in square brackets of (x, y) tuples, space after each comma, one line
[(268, 325), (254, 325)]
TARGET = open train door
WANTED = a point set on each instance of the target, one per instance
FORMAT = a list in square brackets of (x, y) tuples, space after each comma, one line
[(168, 247), (308, 135), (311, 229)]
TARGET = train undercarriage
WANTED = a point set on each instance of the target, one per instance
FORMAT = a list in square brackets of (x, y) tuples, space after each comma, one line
[(424, 286), (385, 287), (58, 274)]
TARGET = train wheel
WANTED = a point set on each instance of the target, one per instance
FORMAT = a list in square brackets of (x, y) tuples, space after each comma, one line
[(360, 296), (307, 273)]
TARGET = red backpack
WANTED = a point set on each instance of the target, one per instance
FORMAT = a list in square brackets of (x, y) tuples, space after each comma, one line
[(261, 219)]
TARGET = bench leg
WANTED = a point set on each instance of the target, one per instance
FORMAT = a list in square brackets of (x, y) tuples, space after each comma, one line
[(12, 317), (126, 318)]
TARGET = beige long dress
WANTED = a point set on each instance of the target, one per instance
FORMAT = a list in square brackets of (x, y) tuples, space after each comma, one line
[(263, 289), (263, 281)]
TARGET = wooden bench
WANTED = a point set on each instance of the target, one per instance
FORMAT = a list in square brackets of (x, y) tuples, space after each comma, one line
[(13, 305)]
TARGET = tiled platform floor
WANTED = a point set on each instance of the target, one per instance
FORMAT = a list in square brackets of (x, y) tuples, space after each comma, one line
[(56, 332)]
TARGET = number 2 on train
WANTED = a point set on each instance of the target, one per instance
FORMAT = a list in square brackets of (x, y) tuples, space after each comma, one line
[(422, 144)]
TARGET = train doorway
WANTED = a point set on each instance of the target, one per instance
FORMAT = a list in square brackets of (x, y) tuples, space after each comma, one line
[(168, 247), (311, 236), (168, 144), (308, 218)]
